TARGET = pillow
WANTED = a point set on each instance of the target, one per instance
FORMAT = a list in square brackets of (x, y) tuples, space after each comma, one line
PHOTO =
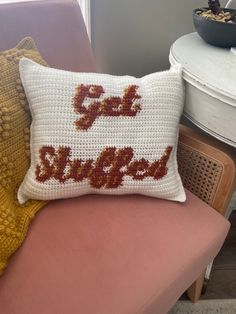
[(97, 133), (15, 120)]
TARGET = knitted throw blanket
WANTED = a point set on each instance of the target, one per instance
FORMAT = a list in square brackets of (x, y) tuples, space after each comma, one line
[(14, 150)]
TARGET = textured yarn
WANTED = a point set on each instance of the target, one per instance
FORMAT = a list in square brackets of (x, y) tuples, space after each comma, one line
[(15, 120), (97, 133)]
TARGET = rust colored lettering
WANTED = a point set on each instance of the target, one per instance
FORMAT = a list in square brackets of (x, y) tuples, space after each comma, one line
[(110, 107), (128, 106), (61, 158), (138, 169), (122, 159), (44, 171), (107, 171), (158, 169), (88, 114), (86, 91), (79, 169), (53, 163), (113, 106), (98, 176), (86, 121)]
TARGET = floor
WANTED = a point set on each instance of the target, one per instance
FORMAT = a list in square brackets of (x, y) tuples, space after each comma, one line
[(222, 284)]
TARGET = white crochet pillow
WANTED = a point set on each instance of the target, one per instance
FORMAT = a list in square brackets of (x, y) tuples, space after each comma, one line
[(97, 133)]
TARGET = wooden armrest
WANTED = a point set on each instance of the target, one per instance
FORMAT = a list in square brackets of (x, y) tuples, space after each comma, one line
[(207, 167)]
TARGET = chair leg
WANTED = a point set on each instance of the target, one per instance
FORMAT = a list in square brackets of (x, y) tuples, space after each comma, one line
[(195, 290)]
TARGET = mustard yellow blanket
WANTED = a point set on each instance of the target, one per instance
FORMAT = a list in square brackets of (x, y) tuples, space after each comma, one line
[(14, 149)]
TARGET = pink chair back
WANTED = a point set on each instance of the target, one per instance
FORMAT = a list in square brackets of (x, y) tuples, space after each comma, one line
[(57, 26)]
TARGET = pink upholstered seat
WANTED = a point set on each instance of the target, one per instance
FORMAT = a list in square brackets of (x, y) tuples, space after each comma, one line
[(111, 255), (98, 254)]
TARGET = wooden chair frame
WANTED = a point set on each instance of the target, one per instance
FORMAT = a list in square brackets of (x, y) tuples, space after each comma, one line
[(207, 168)]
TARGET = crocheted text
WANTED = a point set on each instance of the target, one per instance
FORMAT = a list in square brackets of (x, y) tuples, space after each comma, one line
[(113, 106), (107, 171)]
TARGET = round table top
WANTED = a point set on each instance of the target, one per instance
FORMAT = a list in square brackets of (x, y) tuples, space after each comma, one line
[(212, 67), (210, 75)]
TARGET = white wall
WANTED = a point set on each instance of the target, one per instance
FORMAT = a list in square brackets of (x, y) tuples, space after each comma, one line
[(134, 36)]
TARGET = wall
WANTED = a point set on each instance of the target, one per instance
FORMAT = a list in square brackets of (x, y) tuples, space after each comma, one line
[(134, 36)]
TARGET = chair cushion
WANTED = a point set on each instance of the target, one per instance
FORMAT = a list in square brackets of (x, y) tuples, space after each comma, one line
[(108, 254)]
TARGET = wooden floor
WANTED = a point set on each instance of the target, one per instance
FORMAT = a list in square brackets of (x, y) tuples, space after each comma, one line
[(222, 284)]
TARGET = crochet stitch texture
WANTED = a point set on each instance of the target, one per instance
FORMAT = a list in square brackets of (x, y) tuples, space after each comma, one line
[(103, 134), (15, 120)]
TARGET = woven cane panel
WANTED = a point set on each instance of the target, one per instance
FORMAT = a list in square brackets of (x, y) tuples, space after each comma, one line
[(199, 172)]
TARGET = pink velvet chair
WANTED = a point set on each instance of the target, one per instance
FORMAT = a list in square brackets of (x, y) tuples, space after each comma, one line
[(106, 254)]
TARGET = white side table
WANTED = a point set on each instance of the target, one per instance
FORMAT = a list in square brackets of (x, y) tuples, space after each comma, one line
[(210, 81), (210, 75)]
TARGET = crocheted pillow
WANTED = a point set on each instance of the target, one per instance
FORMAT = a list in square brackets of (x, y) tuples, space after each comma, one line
[(97, 133), (15, 120)]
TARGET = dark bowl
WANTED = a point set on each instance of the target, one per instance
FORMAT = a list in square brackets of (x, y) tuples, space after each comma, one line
[(215, 33)]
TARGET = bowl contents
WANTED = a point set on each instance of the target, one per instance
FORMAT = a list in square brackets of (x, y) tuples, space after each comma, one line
[(222, 16), (216, 25)]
